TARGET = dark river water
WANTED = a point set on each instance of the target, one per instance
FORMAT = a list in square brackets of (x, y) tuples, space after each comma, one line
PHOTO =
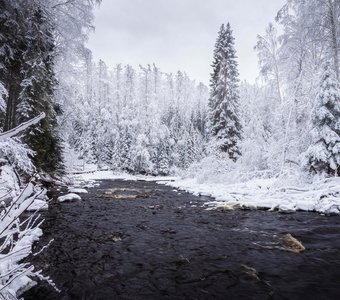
[(140, 240)]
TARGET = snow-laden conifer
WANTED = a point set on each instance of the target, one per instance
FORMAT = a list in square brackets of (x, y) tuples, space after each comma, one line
[(323, 155), (224, 123)]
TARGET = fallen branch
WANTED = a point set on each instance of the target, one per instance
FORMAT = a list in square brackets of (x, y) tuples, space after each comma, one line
[(23, 126)]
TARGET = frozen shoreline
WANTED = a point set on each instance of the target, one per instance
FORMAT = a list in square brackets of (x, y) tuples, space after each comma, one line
[(322, 196)]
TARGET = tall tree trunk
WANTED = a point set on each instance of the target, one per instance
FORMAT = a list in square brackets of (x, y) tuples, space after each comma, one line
[(334, 37), (10, 117)]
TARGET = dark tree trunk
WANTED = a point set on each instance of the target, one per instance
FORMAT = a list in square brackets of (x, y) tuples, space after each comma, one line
[(12, 101)]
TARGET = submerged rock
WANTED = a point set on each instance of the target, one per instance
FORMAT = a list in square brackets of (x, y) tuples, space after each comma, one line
[(250, 272), (285, 242), (290, 243)]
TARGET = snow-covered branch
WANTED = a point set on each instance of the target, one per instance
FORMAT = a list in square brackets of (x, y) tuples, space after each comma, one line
[(23, 126), (17, 237)]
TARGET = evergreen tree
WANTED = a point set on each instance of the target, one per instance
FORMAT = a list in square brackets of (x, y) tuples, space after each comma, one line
[(12, 26), (324, 153), (28, 76), (224, 123), (37, 89), (216, 65), (148, 122)]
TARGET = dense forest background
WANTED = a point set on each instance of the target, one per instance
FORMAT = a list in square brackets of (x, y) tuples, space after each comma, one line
[(146, 121)]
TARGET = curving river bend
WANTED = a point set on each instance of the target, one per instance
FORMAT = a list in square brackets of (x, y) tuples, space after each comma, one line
[(140, 240)]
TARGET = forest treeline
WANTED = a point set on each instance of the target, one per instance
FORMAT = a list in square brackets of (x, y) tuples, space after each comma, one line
[(140, 121), (143, 120)]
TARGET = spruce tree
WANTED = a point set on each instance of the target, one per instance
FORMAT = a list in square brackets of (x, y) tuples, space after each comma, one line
[(323, 155), (12, 25), (37, 89), (27, 73), (216, 65), (224, 123)]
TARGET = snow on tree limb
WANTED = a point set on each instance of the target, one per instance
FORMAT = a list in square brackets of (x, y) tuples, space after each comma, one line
[(23, 126), (17, 239)]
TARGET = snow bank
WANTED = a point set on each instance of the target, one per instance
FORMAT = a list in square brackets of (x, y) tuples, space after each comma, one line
[(272, 193), (286, 193), (9, 186), (102, 175), (69, 197), (110, 175)]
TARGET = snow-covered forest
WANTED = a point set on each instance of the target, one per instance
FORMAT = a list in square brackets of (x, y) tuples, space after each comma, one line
[(62, 112), (146, 121), (141, 121)]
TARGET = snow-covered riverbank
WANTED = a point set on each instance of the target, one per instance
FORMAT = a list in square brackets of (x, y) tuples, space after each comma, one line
[(321, 196)]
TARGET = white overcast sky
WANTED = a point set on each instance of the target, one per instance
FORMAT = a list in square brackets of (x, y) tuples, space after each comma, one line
[(179, 34)]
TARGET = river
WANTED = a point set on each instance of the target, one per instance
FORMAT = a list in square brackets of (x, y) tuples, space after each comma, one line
[(141, 240)]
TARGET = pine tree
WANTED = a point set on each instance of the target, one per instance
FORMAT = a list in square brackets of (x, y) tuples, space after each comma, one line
[(324, 153), (224, 123)]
